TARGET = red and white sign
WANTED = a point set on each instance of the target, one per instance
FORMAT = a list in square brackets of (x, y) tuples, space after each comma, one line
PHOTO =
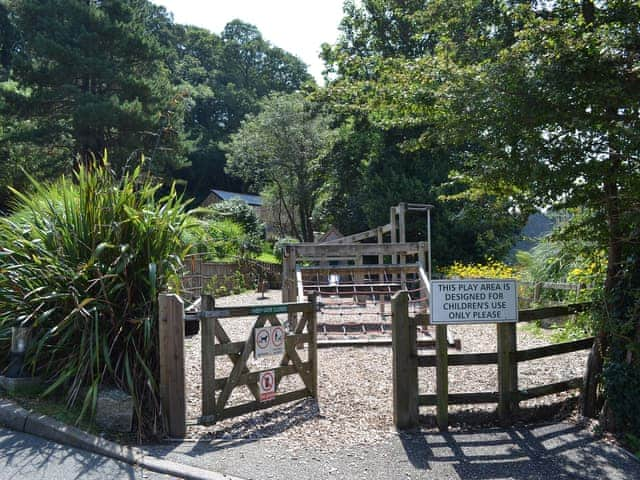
[(269, 341), (267, 384)]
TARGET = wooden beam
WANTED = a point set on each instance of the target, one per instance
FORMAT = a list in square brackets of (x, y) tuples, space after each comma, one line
[(317, 250), (429, 400), (507, 371), (404, 364), (247, 311), (442, 378), (171, 352), (529, 315), (550, 389), (207, 352), (556, 349), (379, 269), (356, 237)]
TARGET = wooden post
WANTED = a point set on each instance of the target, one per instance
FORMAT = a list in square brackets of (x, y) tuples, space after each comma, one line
[(312, 328), (442, 378), (380, 241), (171, 352), (403, 239), (507, 372), (394, 237), (537, 290), (207, 352), (405, 364)]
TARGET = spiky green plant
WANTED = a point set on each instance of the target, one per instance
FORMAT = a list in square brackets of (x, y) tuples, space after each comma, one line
[(82, 262)]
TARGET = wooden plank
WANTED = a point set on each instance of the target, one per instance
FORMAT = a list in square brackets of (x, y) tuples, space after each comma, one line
[(550, 389), (507, 371), (374, 269), (402, 231), (250, 310), (207, 352), (312, 328), (528, 315), (460, 359), (404, 365), (357, 237), (560, 286), (555, 349), (304, 250), (239, 367), (235, 348), (442, 378), (171, 353), (224, 339), (460, 398), (245, 408), (252, 377), (299, 284)]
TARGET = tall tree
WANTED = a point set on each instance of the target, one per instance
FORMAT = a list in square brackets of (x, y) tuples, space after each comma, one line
[(281, 150), (228, 75), (91, 76)]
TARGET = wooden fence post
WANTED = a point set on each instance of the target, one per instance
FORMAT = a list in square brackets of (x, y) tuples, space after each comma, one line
[(207, 353), (405, 364), (442, 378), (507, 372), (171, 351), (312, 328)]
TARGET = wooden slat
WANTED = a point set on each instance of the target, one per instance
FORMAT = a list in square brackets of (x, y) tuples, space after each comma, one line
[(305, 373), (507, 371), (253, 406), (235, 348), (550, 389), (460, 398), (207, 353), (442, 377), (386, 268), (404, 366), (460, 359), (356, 237), (224, 339), (556, 349), (171, 353), (239, 367), (312, 328), (252, 377), (529, 315), (353, 249), (251, 310)]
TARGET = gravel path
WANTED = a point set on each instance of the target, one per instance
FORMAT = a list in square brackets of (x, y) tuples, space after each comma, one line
[(354, 404)]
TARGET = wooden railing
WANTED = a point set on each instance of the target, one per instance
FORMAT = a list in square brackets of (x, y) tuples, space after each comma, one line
[(406, 362)]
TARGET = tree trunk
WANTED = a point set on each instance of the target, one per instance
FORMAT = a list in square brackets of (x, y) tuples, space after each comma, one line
[(591, 403)]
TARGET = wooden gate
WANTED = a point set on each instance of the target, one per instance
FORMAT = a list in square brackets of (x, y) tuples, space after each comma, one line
[(216, 343)]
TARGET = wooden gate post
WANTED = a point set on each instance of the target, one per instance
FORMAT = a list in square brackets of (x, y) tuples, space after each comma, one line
[(507, 372), (171, 351), (312, 328), (442, 378), (207, 353), (405, 364)]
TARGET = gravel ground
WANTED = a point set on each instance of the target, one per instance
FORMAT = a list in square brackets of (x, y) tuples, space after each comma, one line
[(354, 405)]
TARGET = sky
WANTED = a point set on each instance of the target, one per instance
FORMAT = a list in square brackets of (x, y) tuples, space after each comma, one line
[(297, 26)]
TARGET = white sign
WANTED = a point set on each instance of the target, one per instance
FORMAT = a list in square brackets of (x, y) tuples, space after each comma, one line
[(267, 384), (474, 301), (269, 341)]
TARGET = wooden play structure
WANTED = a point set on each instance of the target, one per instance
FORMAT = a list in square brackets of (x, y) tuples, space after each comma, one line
[(355, 276)]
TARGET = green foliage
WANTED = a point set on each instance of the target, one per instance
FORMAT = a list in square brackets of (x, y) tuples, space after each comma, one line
[(281, 149), (91, 77), (278, 247), (229, 239), (240, 212), (82, 263), (622, 383)]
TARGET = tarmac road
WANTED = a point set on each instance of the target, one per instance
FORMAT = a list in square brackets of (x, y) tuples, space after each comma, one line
[(23, 456)]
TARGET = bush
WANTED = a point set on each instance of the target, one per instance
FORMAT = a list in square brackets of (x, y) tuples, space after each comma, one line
[(239, 212), (278, 247), (82, 263), (491, 269)]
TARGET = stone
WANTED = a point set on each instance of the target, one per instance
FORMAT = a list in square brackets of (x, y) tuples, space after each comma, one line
[(114, 411)]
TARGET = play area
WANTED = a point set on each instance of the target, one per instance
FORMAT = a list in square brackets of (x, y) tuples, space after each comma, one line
[(345, 352)]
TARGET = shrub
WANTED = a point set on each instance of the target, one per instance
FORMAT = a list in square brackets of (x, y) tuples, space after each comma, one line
[(239, 212), (82, 263), (491, 269)]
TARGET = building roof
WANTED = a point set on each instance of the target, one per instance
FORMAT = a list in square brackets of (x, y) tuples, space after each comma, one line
[(253, 200)]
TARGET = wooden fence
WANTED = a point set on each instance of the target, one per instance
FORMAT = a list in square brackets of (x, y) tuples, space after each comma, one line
[(406, 362), (215, 342)]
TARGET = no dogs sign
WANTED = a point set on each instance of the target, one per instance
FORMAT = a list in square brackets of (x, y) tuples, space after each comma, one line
[(267, 384), (269, 341)]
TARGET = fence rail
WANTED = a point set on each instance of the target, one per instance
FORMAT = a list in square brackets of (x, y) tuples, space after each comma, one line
[(508, 395)]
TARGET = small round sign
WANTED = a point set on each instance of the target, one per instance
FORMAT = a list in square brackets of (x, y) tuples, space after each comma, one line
[(277, 336)]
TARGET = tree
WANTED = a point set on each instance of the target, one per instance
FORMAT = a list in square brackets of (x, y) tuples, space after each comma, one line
[(280, 149), (91, 77), (227, 75), (384, 91), (557, 116)]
